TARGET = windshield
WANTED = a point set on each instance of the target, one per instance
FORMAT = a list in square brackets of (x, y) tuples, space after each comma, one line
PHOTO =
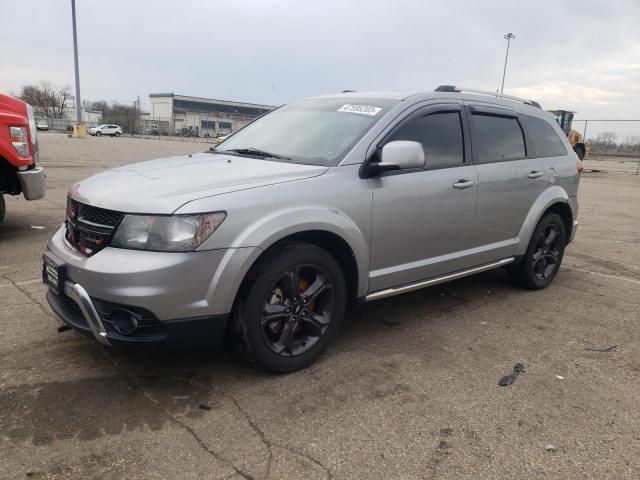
[(317, 131)]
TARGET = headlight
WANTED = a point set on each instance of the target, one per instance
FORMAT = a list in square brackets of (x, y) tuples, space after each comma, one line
[(19, 140), (171, 233)]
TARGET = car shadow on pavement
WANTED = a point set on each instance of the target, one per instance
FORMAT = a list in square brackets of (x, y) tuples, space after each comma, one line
[(152, 390)]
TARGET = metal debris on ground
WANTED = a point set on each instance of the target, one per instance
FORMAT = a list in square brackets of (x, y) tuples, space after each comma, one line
[(509, 379), (204, 406), (549, 447), (606, 349), (559, 377)]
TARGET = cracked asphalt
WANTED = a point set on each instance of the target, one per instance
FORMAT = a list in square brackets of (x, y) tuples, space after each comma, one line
[(409, 390)]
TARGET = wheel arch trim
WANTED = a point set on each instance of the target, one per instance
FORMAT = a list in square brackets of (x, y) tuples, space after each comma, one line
[(286, 223), (551, 196)]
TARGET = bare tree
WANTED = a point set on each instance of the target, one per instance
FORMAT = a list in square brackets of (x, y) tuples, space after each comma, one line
[(127, 116), (632, 143), (47, 100), (606, 140)]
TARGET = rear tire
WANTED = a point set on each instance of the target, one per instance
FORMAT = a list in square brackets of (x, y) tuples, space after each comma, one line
[(291, 308), (542, 260), (117, 134), (3, 208)]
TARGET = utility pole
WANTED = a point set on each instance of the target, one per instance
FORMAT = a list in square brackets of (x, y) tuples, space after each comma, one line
[(79, 130), (509, 36)]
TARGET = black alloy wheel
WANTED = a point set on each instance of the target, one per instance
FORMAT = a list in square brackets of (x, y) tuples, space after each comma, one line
[(297, 310), (547, 252), (543, 257), (290, 307)]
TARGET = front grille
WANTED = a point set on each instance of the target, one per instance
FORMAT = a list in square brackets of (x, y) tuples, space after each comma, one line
[(87, 213), (89, 229)]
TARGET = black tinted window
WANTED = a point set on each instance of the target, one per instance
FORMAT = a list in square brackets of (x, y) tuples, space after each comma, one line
[(544, 138), (440, 135), (497, 138)]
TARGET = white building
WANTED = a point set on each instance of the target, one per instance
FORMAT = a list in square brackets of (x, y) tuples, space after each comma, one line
[(89, 117), (201, 116)]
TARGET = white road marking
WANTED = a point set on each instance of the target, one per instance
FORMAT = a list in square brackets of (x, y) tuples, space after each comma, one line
[(625, 279)]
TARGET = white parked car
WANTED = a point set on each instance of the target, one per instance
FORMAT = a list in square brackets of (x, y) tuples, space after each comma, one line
[(42, 125), (113, 130)]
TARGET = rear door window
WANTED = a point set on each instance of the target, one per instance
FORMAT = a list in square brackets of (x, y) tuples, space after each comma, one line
[(440, 134), (545, 140), (497, 139)]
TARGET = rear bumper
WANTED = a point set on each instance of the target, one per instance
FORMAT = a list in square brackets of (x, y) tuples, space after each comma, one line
[(573, 203), (76, 309), (32, 183)]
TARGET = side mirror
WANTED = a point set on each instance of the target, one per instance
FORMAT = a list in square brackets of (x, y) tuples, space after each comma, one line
[(403, 154), (396, 155)]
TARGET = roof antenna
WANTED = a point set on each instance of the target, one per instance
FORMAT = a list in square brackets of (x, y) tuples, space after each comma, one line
[(348, 91)]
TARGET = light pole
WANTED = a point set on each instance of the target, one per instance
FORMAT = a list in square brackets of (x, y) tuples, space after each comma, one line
[(509, 36), (79, 130)]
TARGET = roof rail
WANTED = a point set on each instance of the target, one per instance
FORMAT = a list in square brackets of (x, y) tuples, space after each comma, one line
[(453, 88)]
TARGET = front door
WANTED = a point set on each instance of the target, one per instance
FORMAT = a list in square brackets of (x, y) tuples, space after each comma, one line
[(422, 219)]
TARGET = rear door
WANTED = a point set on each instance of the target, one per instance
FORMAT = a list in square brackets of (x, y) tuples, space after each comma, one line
[(422, 218), (510, 175)]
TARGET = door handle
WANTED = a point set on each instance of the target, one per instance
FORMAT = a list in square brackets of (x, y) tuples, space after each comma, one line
[(535, 174), (462, 184)]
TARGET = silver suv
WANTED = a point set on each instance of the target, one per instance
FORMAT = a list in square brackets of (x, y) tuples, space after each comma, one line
[(319, 205)]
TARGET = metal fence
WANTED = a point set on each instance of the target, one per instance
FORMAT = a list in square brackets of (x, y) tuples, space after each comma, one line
[(617, 153), (197, 128), (614, 144), (63, 124)]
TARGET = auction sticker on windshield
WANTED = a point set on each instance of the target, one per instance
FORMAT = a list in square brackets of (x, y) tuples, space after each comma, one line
[(364, 109)]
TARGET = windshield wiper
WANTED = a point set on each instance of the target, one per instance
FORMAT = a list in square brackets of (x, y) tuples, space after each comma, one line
[(255, 152)]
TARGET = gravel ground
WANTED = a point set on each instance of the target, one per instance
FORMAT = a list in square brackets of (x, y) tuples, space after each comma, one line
[(409, 390)]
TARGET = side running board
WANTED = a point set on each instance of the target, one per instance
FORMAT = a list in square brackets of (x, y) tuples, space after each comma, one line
[(434, 281)]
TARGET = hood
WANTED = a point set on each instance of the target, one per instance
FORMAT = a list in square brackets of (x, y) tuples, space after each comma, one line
[(164, 185)]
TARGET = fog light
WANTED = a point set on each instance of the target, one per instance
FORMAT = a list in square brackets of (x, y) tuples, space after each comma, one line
[(123, 321)]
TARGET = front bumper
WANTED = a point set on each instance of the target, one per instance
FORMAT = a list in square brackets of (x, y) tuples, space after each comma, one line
[(179, 297), (76, 309), (32, 183)]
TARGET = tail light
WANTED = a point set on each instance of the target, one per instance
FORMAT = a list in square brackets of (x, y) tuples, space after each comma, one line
[(20, 140), (580, 166)]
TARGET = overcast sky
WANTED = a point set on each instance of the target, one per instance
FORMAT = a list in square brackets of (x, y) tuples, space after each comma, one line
[(582, 55)]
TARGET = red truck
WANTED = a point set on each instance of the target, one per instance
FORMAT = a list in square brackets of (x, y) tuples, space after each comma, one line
[(19, 172)]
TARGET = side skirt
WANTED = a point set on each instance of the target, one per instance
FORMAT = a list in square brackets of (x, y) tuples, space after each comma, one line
[(434, 281)]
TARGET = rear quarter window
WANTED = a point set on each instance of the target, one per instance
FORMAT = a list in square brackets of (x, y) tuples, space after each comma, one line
[(497, 139), (545, 140)]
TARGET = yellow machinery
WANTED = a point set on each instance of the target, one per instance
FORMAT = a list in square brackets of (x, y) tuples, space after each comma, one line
[(564, 119)]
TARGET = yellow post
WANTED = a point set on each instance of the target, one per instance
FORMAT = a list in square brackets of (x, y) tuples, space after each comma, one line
[(79, 130)]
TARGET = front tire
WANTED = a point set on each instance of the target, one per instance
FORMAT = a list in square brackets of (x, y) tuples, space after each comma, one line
[(291, 309), (98, 134), (544, 255), (3, 208)]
